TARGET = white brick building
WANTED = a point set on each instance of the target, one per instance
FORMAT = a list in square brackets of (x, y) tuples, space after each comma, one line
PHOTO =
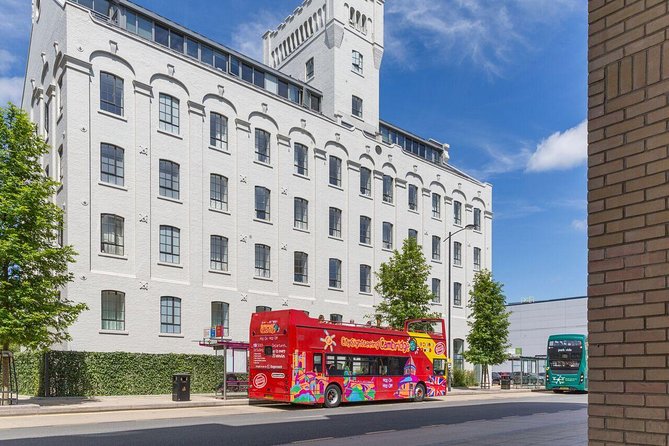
[(199, 184)]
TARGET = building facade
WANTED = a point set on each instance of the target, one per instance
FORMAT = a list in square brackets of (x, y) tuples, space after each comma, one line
[(200, 185)]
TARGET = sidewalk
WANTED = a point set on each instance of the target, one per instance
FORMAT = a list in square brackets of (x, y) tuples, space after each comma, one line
[(61, 405)]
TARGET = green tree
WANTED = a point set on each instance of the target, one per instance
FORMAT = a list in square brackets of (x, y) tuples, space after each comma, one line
[(33, 267), (488, 323), (403, 286)]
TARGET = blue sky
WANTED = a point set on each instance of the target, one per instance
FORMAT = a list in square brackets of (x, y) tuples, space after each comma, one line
[(503, 82)]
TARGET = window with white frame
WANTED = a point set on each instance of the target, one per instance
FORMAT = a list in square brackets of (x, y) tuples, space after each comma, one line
[(356, 106), (111, 165), (60, 165), (301, 159), (111, 234), (436, 206), (413, 197), (387, 235), (413, 234), (170, 244), (477, 259), (263, 146), (113, 310), (170, 315), (388, 189), (168, 178), (457, 294), (457, 253), (262, 203), (309, 68), (218, 192), (436, 248), (335, 273), (365, 279), (357, 62), (301, 214), (457, 213), (168, 113), (263, 261), (365, 182), (218, 131), (365, 230), (335, 222), (218, 253), (111, 93), (335, 171), (477, 219), (301, 265), (220, 316), (436, 290)]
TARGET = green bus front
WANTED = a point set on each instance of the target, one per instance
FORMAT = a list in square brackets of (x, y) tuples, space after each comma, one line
[(567, 363)]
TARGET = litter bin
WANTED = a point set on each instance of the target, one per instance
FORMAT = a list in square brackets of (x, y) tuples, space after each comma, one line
[(505, 383), (181, 387)]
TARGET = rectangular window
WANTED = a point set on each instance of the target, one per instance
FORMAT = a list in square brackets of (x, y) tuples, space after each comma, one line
[(294, 94), (220, 316), (365, 279), (436, 206), (60, 165), (335, 171), (335, 273), (262, 203), (220, 61), (170, 244), (365, 230), (309, 68), (218, 192), (259, 78), (413, 234), (436, 248), (207, 55), (113, 310), (170, 315), (477, 259), (387, 235), (413, 197), (111, 93), (218, 260), (169, 179), (457, 294), (111, 164), (356, 107), (111, 234), (457, 213), (436, 290), (262, 146), (138, 24), (247, 73), (192, 48), (162, 35), (176, 42), (301, 267), (47, 119), (263, 261), (457, 253), (477, 219), (301, 160), (387, 189), (335, 222), (218, 131), (356, 62), (365, 182), (168, 113), (301, 214), (271, 83)]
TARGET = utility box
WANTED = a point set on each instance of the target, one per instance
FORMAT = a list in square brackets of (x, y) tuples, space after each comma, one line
[(181, 387)]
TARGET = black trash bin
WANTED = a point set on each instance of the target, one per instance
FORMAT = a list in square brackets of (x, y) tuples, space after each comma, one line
[(505, 383), (181, 387)]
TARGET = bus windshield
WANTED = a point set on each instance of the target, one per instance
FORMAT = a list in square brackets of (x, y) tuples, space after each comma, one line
[(565, 355)]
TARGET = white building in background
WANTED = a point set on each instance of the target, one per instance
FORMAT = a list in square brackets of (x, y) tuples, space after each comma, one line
[(200, 185)]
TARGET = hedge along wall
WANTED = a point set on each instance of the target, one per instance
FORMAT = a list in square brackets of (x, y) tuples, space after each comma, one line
[(91, 374)]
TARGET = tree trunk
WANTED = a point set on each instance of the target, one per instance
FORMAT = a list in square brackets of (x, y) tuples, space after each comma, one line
[(5, 392)]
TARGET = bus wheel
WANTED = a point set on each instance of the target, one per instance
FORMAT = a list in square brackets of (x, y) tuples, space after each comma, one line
[(332, 396), (557, 391), (419, 392)]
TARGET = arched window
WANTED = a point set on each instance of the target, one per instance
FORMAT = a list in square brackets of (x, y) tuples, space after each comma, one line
[(113, 310), (220, 315), (170, 315)]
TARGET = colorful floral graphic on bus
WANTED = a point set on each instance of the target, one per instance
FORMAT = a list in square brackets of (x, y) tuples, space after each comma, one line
[(358, 389), (307, 387), (408, 381), (329, 341), (436, 386)]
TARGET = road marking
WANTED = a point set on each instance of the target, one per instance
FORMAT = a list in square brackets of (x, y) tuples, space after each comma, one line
[(312, 440), (380, 432)]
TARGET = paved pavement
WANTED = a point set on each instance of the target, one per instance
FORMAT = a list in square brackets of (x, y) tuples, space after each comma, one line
[(494, 418)]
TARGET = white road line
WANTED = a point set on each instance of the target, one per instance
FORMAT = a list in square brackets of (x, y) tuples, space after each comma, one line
[(312, 440), (380, 432)]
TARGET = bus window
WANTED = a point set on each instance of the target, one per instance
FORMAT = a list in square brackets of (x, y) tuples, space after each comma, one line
[(318, 363), (439, 366)]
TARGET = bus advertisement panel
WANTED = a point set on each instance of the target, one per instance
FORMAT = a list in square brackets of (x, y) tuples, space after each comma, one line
[(298, 359), (567, 363)]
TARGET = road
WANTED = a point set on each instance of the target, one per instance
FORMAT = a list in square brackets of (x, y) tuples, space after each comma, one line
[(524, 419)]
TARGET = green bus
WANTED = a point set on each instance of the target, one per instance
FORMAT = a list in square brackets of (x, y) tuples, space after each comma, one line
[(567, 363)]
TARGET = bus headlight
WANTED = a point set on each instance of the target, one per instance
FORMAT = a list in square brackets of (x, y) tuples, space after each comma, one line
[(582, 378)]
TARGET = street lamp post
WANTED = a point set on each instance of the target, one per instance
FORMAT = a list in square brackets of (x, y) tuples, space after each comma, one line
[(450, 286)]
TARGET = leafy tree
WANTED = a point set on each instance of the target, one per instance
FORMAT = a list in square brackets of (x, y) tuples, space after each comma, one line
[(488, 324), (403, 286), (32, 265)]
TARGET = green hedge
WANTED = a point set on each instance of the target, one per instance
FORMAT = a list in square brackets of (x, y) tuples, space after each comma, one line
[(90, 373), (463, 378)]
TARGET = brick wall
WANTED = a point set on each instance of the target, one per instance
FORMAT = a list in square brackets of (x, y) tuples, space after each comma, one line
[(628, 65)]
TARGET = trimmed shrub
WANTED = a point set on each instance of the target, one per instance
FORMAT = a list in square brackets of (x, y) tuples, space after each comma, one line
[(463, 378)]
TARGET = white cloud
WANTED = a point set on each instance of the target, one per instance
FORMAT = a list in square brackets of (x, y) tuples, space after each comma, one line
[(561, 151), (7, 60), (11, 89), (580, 225), (16, 16), (247, 37)]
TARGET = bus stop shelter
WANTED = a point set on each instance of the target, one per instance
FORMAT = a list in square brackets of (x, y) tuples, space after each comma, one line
[(235, 382), (528, 371)]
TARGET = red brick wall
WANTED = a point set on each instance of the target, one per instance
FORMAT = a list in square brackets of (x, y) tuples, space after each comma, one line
[(628, 184)]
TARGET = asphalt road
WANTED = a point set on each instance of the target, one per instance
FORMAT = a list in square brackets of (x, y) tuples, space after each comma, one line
[(530, 419)]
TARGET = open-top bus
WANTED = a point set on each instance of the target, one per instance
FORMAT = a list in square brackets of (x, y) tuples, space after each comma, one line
[(567, 363), (302, 360)]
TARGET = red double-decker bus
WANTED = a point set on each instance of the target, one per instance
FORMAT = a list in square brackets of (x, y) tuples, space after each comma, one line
[(299, 359)]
